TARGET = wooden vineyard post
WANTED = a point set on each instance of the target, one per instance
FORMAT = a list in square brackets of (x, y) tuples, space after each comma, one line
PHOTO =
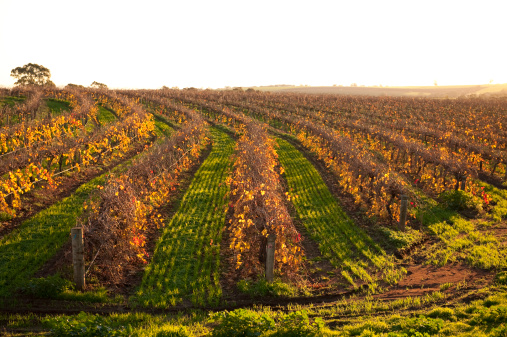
[(403, 213), (78, 257), (463, 183), (270, 257)]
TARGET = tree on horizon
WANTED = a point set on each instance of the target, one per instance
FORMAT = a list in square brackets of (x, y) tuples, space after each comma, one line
[(32, 74)]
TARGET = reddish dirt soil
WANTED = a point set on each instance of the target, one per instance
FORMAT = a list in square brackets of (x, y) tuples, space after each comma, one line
[(424, 279)]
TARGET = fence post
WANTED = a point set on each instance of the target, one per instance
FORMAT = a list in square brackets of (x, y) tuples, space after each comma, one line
[(270, 257), (463, 183), (78, 257), (403, 213)]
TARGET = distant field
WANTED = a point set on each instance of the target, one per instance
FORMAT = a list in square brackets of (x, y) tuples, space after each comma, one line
[(428, 91)]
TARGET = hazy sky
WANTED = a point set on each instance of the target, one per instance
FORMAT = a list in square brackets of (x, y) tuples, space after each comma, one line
[(148, 44)]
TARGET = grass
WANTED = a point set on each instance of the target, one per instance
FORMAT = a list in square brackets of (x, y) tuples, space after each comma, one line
[(105, 116), (57, 106), (163, 127), (186, 261), (485, 316), (340, 240), (459, 238), (12, 100), (262, 288)]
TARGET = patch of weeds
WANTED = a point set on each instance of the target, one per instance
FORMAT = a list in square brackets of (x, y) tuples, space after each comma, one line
[(5, 216), (298, 324), (444, 313), (460, 200), (501, 278), (419, 326), (461, 285), (374, 288), (445, 286), (483, 224), (46, 287), (243, 322), (434, 296), (86, 325), (486, 256), (399, 239), (265, 288), (174, 331), (97, 296)]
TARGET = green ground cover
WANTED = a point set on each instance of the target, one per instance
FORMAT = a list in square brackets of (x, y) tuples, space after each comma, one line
[(484, 316), (11, 100), (57, 106), (105, 116), (186, 261), (461, 238), (341, 241), (163, 127)]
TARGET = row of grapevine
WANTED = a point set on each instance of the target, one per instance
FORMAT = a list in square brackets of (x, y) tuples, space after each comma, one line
[(78, 149), (370, 181), (432, 168), (26, 135), (120, 216), (416, 139), (25, 111), (345, 244), (187, 263), (462, 122), (401, 160), (257, 200)]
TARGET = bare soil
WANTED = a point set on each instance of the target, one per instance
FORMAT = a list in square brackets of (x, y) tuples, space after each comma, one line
[(424, 279)]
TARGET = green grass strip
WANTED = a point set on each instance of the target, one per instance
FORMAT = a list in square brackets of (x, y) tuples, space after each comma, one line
[(340, 240), (57, 107), (105, 116), (186, 261), (163, 127), (11, 100)]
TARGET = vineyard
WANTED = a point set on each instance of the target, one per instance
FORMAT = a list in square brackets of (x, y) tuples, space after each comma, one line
[(388, 207)]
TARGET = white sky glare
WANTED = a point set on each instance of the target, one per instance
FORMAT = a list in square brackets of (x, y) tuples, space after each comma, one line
[(148, 44)]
